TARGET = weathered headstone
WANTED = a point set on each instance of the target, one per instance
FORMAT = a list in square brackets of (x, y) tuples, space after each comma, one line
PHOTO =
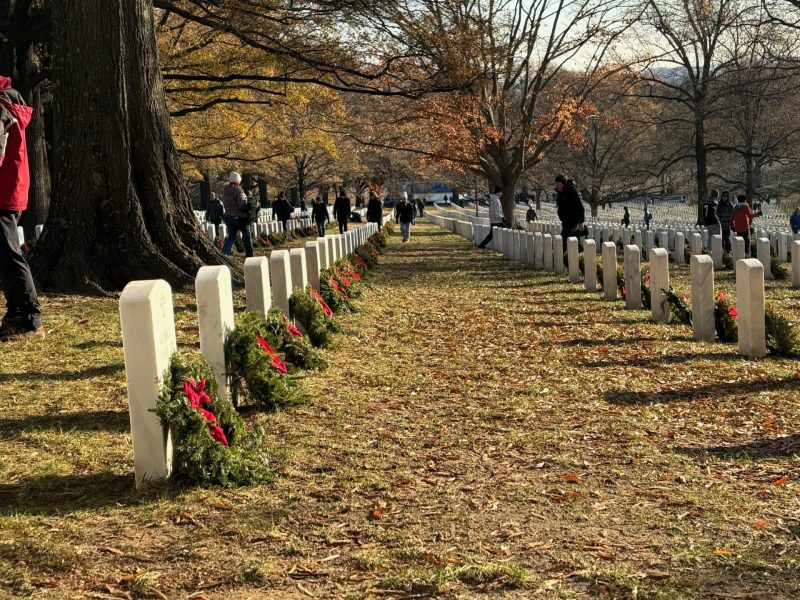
[(548, 252), (297, 260), (531, 243), (716, 251), (214, 296), (573, 256), (590, 265), (312, 264), (659, 285), (737, 249), (148, 340), (696, 244), (750, 307), (796, 264), (763, 250), (610, 270), (281, 279), (538, 247), (256, 284), (633, 277), (558, 254), (701, 268), (323, 253), (680, 257)]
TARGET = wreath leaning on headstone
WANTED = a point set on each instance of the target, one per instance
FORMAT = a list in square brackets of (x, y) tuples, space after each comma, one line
[(255, 367), (210, 445)]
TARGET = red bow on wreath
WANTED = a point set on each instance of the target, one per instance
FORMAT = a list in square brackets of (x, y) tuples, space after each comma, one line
[(293, 331), (322, 304), (277, 363), (198, 397)]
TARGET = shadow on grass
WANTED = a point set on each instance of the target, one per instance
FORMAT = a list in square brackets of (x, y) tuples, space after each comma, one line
[(101, 371), (623, 397), (100, 420), (59, 494), (777, 447), (90, 344), (592, 343), (668, 359)]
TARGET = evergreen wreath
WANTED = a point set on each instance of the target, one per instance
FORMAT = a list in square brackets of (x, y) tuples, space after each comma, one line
[(314, 316), (345, 279), (777, 269), (725, 320), (727, 260), (782, 337), (368, 253), (283, 335), (680, 307), (210, 445), (255, 367), (334, 295)]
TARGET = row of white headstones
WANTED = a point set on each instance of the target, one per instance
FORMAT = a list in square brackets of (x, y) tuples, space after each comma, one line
[(265, 224), (671, 238), (545, 251), (148, 329)]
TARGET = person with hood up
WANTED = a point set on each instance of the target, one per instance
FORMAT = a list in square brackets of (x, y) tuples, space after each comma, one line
[(794, 221), (236, 215), (24, 316)]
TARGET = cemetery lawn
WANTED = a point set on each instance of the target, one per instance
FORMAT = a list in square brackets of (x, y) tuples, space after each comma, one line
[(482, 430)]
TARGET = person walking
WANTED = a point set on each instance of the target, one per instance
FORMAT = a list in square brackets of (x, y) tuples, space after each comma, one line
[(319, 212), (24, 316), (236, 215), (374, 209), (531, 215), (742, 219), (405, 216), (570, 209), (282, 210), (341, 211), (710, 216), (215, 210), (495, 216), (648, 216), (725, 212), (626, 217), (794, 221), (421, 208)]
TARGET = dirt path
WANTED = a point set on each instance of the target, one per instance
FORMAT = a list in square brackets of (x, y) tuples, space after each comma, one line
[(482, 430)]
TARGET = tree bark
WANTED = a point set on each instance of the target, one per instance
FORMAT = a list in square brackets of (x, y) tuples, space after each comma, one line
[(205, 190), (120, 211), (263, 192), (701, 163)]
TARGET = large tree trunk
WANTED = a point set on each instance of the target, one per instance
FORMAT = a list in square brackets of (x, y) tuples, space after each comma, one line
[(205, 190), (39, 193), (263, 192), (701, 163), (120, 211)]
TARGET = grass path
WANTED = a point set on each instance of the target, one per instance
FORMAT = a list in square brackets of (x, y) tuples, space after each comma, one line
[(482, 430)]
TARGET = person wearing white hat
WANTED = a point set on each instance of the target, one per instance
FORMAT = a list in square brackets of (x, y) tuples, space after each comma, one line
[(235, 202)]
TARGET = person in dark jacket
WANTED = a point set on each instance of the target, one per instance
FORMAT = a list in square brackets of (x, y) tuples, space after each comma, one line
[(405, 215), (794, 221), (282, 210), (725, 212), (570, 209), (626, 217), (374, 209), (23, 317), (236, 215), (319, 213), (341, 211), (420, 207), (215, 210)]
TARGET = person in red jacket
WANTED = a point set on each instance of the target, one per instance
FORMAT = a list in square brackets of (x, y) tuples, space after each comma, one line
[(24, 317)]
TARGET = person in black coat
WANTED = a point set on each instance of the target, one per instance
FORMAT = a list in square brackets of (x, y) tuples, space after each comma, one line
[(319, 213), (282, 210), (570, 209), (341, 210), (374, 209)]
